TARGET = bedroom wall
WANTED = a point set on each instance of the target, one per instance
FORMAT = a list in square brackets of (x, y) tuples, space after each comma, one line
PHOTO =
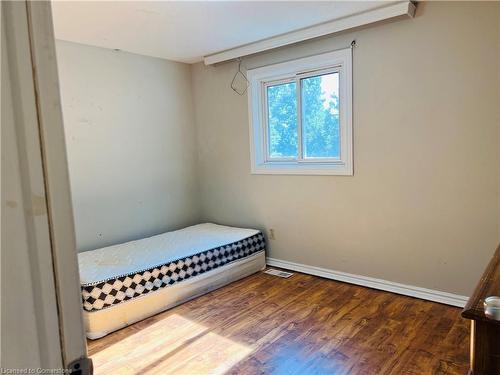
[(422, 206), (131, 144)]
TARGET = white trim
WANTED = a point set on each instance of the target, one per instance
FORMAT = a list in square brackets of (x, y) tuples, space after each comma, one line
[(371, 282), (55, 168), (30, 336), (404, 8), (339, 61)]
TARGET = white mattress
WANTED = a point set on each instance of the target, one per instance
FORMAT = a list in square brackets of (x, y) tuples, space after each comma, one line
[(122, 259)]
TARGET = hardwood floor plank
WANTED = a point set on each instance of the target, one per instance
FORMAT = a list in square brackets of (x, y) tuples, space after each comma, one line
[(301, 325)]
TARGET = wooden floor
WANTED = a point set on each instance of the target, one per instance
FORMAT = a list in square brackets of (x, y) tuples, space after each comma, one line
[(302, 325)]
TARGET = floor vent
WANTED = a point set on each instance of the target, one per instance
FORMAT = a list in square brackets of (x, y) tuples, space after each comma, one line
[(278, 273)]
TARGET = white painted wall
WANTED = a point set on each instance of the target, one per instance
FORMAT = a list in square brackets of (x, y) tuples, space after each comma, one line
[(422, 207), (131, 144)]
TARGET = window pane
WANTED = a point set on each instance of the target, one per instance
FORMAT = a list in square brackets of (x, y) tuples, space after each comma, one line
[(320, 116), (282, 120)]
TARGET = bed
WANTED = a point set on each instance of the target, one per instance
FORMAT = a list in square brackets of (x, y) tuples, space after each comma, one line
[(125, 283)]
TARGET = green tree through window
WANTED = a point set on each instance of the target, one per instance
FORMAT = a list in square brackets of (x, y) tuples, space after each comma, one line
[(282, 120), (320, 118)]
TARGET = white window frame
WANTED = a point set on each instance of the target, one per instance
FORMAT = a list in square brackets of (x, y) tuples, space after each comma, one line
[(294, 71)]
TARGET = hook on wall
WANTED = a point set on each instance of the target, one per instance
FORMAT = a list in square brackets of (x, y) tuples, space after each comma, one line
[(240, 83)]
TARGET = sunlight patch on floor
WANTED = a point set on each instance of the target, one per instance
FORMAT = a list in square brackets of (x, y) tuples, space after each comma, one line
[(172, 345), (210, 354)]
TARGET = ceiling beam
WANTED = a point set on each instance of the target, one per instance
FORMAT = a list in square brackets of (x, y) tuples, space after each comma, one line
[(404, 8)]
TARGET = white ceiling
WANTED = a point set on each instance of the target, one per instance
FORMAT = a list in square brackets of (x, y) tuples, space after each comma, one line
[(186, 31)]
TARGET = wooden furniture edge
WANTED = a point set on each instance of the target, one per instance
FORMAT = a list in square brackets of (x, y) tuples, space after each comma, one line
[(471, 310)]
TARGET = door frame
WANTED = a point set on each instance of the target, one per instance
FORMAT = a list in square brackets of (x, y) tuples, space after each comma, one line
[(42, 142)]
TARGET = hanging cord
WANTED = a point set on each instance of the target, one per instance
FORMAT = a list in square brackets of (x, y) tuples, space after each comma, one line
[(234, 87), (240, 73)]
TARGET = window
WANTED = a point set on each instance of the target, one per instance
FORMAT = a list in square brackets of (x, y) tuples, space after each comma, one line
[(300, 116)]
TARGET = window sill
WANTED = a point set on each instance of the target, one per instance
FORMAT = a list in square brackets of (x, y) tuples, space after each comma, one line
[(321, 169)]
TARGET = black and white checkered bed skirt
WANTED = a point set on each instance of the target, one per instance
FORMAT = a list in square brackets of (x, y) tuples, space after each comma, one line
[(106, 293)]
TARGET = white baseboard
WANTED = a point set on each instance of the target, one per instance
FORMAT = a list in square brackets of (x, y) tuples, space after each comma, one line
[(389, 286)]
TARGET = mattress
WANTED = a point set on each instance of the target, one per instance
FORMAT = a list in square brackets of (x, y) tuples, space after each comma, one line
[(116, 274), (102, 322)]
